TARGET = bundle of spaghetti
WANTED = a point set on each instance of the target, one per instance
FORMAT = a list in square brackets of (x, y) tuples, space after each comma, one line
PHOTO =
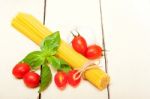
[(36, 31)]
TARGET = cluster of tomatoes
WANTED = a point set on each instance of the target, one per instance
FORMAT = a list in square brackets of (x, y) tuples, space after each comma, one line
[(30, 78), (62, 79), (80, 45)]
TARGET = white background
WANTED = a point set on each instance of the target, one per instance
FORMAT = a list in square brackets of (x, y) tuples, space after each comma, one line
[(127, 35)]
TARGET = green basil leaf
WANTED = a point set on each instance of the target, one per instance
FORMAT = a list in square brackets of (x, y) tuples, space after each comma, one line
[(46, 77), (51, 43), (63, 62), (34, 59), (64, 66), (54, 61), (58, 64)]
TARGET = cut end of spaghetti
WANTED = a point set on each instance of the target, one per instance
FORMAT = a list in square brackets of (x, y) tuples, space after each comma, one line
[(104, 82)]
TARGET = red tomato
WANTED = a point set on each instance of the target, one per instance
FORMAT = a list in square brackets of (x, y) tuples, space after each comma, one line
[(93, 52), (20, 70), (71, 80), (31, 79), (79, 44), (60, 80)]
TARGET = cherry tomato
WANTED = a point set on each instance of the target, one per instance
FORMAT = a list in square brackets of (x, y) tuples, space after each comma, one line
[(71, 80), (31, 79), (60, 80), (20, 70), (93, 52), (79, 44)]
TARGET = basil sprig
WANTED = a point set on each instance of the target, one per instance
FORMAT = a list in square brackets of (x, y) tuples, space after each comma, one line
[(35, 59)]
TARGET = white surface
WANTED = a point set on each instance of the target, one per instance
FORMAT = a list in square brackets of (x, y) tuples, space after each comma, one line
[(14, 46), (126, 26), (127, 30)]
